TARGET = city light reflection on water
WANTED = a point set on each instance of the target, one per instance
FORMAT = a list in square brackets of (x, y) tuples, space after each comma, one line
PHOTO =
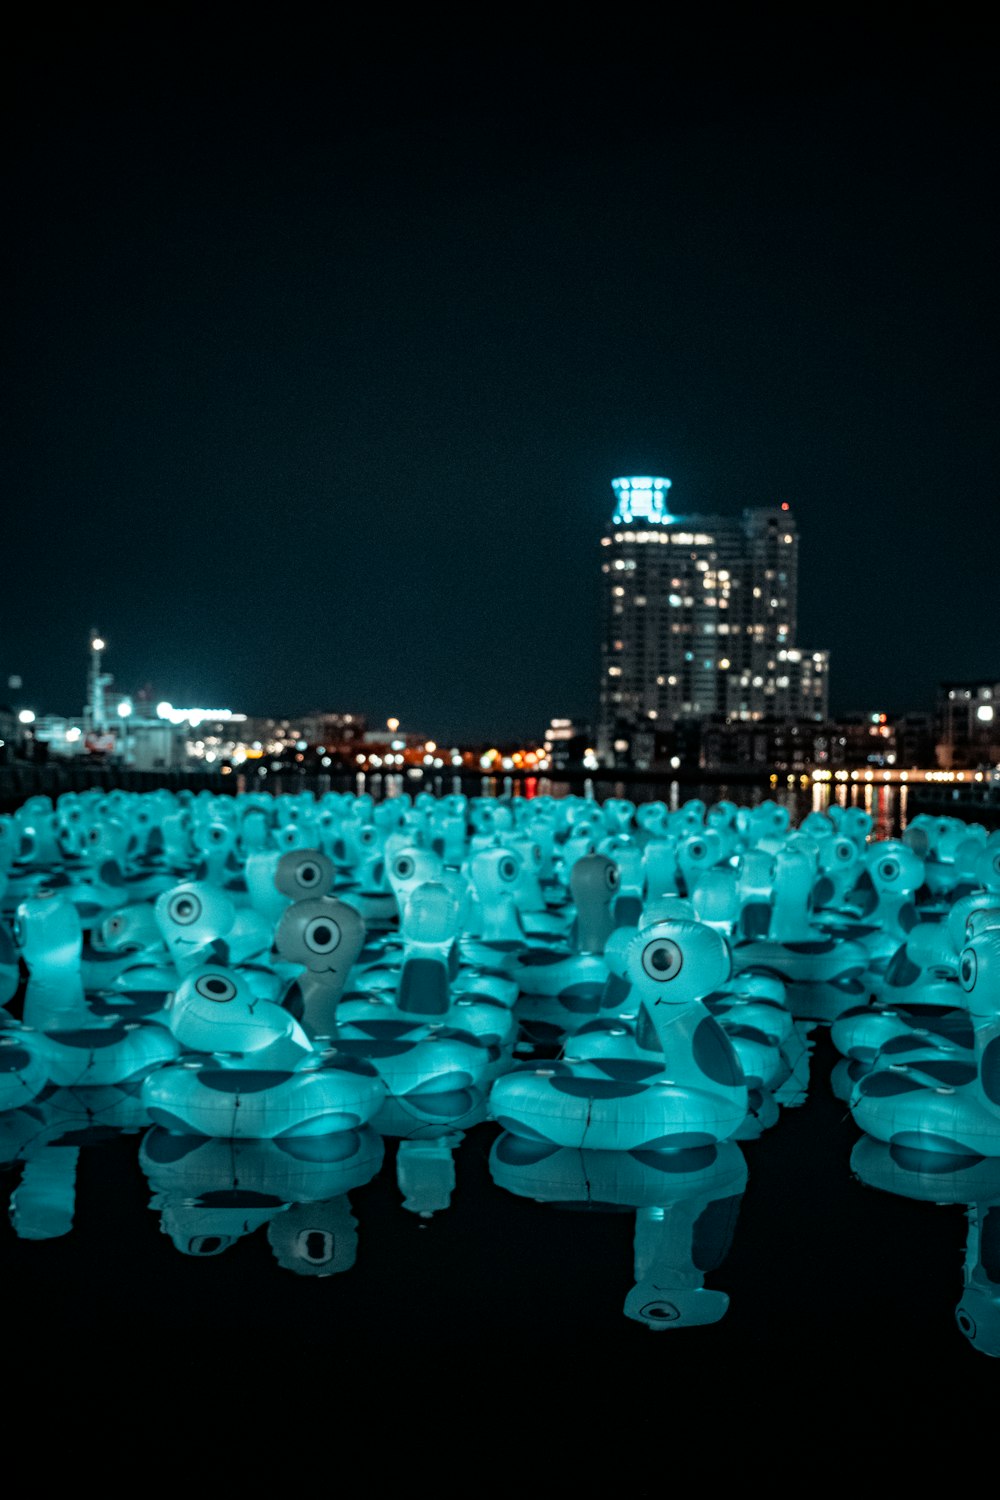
[(887, 803)]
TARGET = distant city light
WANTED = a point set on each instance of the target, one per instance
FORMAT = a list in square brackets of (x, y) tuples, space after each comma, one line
[(196, 716), (124, 709), (392, 724), (26, 716), (97, 643), (985, 712)]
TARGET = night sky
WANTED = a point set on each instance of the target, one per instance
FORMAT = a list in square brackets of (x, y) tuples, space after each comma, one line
[(324, 349)]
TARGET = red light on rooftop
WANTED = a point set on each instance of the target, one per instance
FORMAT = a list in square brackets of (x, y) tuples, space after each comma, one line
[(784, 505)]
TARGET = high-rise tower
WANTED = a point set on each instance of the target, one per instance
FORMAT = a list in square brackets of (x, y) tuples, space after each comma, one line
[(700, 618)]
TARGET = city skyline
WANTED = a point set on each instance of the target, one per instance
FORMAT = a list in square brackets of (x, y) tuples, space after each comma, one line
[(323, 359), (699, 619)]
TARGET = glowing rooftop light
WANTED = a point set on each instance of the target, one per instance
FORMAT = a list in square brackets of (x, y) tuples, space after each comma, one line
[(196, 716), (97, 643), (641, 498)]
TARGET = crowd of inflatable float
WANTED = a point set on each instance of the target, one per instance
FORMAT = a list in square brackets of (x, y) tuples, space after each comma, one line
[(269, 987)]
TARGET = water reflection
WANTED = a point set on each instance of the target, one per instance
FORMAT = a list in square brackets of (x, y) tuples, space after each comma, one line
[(686, 1203), (886, 802), (974, 1182), (44, 1141), (210, 1193)]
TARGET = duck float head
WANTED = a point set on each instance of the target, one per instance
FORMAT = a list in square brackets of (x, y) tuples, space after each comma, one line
[(326, 937), (214, 1010), (191, 918)]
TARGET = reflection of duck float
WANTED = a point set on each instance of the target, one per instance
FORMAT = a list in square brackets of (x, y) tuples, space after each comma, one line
[(213, 1192), (46, 1139), (932, 1177), (686, 1205), (680, 1086)]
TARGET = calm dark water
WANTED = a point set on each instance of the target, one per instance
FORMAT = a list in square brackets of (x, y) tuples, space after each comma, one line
[(822, 1271), (819, 1263)]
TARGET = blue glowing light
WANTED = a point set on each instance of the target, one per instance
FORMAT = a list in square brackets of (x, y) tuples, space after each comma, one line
[(641, 498)]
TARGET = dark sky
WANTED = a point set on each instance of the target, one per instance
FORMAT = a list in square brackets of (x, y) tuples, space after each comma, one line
[(324, 349)]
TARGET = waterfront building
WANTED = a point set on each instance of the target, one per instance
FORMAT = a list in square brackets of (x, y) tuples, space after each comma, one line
[(968, 724), (699, 620), (567, 743)]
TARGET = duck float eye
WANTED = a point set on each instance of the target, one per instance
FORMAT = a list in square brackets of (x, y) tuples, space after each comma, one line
[(996, 864), (317, 1246), (206, 1244), (215, 987), (508, 869), (844, 851), (184, 909), (969, 969), (662, 960), (660, 1312), (888, 869), (322, 935), (404, 867), (307, 874), (967, 1324), (612, 878)]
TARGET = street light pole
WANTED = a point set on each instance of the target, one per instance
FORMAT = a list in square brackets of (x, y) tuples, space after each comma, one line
[(97, 644), (124, 712)]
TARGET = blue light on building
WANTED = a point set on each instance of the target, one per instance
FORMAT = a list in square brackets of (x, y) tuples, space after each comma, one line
[(641, 498)]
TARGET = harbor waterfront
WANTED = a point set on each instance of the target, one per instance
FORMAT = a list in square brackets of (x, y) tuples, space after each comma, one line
[(452, 1232), (890, 794)]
